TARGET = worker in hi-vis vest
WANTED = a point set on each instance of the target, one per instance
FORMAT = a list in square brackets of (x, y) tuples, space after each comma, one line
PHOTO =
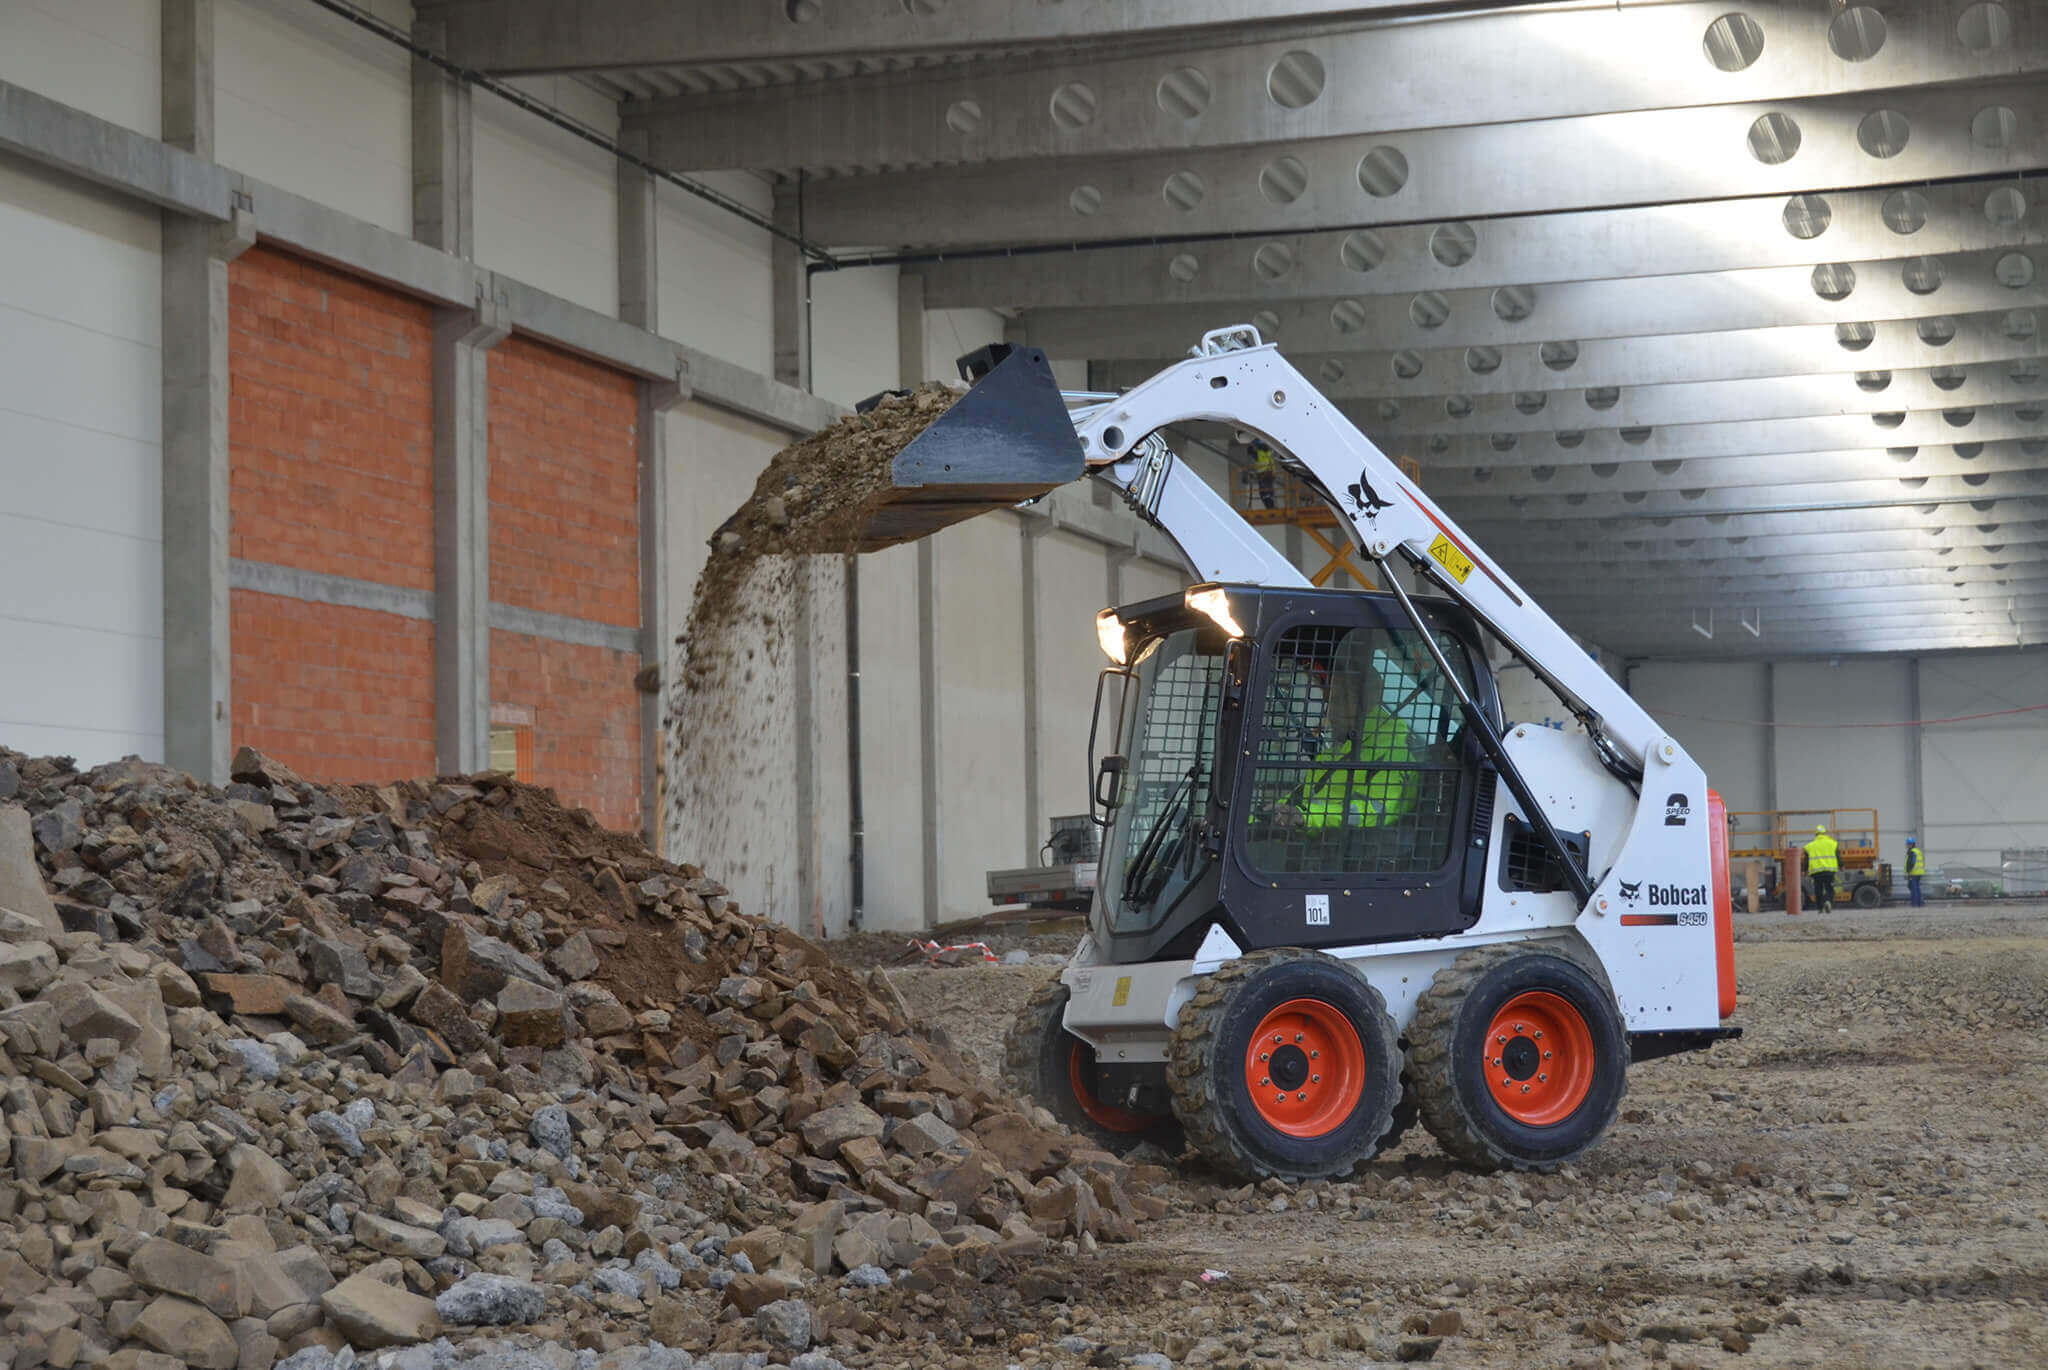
[(1265, 466), (1916, 866), (1822, 865)]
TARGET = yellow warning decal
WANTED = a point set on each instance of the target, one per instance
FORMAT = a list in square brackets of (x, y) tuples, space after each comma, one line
[(1450, 558), (1123, 992)]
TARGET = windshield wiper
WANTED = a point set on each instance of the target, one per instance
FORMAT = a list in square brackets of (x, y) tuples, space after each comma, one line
[(1141, 864)]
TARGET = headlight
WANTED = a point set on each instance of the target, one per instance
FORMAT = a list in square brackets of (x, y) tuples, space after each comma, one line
[(1109, 631), (1216, 604)]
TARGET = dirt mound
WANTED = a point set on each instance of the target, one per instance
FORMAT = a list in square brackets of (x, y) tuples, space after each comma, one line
[(450, 1054)]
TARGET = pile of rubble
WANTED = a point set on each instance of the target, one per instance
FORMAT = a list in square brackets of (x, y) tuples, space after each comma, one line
[(291, 1072)]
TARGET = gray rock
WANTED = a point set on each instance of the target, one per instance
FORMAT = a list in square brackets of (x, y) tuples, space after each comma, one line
[(471, 1237), (61, 827), (256, 1058), (493, 1300), (553, 1203), (867, 1277), (743, 1263), (814, 1360), (337, 1130), (614, 1281), (786, 1324), (1150, 1360), (361, 1113), (663, 1274), (551, 1131), (311, 1358), (337, 963)]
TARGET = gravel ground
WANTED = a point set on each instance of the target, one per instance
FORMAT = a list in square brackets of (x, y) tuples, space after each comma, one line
[(1858, 1182)]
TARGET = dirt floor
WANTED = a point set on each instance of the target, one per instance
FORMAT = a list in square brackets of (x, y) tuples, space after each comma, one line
[(1858, 1182)]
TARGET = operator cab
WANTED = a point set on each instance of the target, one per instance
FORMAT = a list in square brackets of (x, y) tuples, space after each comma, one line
[(1289, 764)]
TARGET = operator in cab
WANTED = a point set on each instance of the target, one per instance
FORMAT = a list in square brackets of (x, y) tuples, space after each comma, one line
[(1821, 864), (1345, 790)]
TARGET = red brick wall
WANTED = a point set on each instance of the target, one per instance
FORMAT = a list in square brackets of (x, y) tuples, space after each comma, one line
[(337, 694), (586, 720), (331, 423), (565, 481), (331, 469)]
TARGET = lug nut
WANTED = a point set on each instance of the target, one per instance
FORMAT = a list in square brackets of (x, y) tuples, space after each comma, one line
[(1315, 1079), (1302, 1097)]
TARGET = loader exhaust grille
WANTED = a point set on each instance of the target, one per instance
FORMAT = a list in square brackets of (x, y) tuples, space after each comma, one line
[(1529, 866)]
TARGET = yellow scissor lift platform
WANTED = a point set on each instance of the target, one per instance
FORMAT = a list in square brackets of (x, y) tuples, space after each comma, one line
[(1761, 837)]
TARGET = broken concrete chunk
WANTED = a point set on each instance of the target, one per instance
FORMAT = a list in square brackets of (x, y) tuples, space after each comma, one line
[(373, 1314)]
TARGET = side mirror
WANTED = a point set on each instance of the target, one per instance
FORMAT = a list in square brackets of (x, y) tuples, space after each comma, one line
[(1109, 784), (1106, 790)]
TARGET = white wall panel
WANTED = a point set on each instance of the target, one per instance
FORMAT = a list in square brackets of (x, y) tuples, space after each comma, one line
[(547, 203), (853, 333), (981, 710), (317, 106), (950, 334), (81, 602), (1846, 768), (1984, 778), (716, 273), (96, 55), (1073, 578), (1687, 698), (891, 741)]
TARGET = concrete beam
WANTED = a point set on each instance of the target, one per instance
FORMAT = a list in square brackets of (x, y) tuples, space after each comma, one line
[(517, 36), (1904, 287), (1815, 497), (1657, 156), (1943, 521), (1739, 234), (462, 533), (1717, 474), (41, 130), (1510, 67), (1543, 412), (1686, 358), (639, 265), (443, 152)]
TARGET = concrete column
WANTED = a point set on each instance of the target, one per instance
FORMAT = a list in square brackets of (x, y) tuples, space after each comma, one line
[(639, 267), (1770, 735), (198, 723), (910, 349), (1032, 531), (188, 76), (910, 330), (656, 400), (791, 286), (463, 339), (443, 152), (1916, 757)]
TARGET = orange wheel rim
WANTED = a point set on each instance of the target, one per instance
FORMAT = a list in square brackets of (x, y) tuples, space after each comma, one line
[(1539, 1058), (1109, 1116), (1305, 1068)]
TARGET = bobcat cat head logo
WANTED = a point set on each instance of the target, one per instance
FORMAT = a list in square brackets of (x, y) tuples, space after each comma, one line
[(1629, 891)]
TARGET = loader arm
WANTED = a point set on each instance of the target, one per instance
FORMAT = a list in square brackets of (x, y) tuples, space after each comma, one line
[(1255, 388)]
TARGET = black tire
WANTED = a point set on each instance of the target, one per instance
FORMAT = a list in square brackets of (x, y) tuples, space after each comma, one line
[(1868, 896), (1449, 1056), (1212, 1090), (1407, 1112), (1039, 1059)]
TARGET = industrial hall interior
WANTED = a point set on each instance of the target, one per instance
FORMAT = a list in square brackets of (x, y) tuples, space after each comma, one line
[(981, 682)]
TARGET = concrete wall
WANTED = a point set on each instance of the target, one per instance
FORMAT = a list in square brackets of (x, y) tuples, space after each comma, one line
[(1805, 734), (547, 202)]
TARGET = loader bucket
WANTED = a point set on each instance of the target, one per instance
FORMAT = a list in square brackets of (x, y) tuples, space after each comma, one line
[(1005, 441)]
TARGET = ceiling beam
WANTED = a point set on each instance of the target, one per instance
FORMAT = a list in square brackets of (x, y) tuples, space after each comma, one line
[(1508, 67), (1656, 559), (533, 36), (1977, 584), (1587, 245), (1909, 288), (1600, 161), (1946, 521), (1896, 442), (1773, 472), (1761, 398), (1807, 349), (1749, 499)]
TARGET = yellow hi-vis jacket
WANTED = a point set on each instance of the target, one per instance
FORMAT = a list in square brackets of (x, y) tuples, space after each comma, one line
[(1820, 855), (1264, 459), (1342, 797), (1916, 861)]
